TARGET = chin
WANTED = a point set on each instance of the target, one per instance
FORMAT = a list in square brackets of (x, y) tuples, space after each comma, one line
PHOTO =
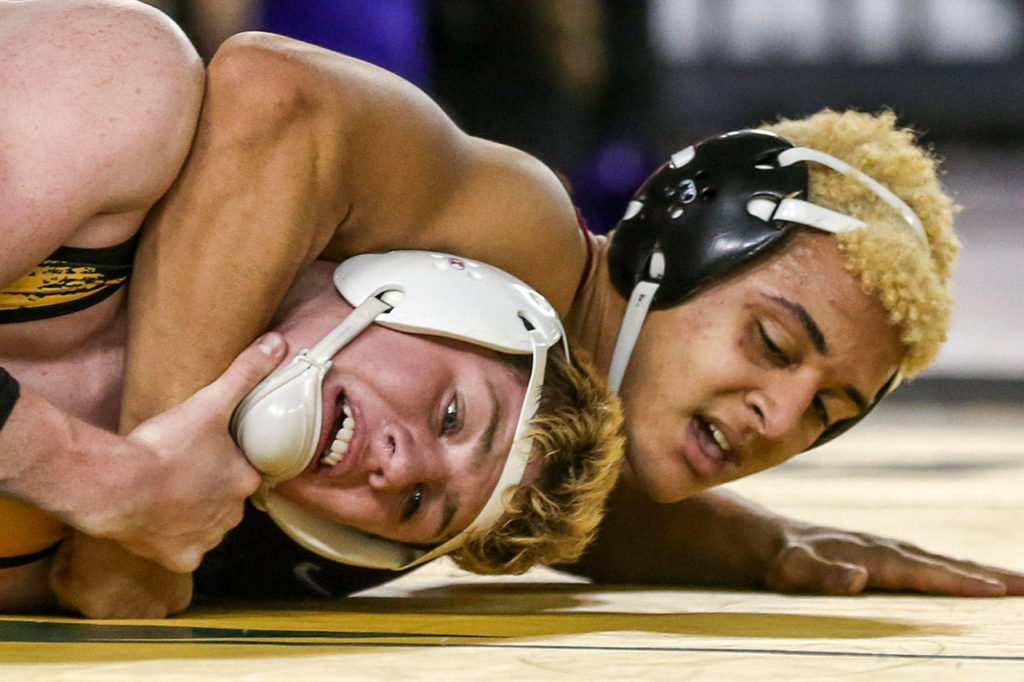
[(661, 485)]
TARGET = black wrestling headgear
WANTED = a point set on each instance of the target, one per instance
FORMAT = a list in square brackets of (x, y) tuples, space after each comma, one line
[(711, 210)]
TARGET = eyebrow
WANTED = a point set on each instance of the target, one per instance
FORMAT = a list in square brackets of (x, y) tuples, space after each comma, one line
[(818, 339), (806, 321), (483, 448)]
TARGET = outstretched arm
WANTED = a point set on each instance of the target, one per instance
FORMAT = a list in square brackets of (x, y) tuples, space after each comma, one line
[(717, 539), (300, 152)]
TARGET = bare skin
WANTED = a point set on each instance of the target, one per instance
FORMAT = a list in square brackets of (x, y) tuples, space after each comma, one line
[(97, 120), (388, 170), (423, 408), (300, 151)]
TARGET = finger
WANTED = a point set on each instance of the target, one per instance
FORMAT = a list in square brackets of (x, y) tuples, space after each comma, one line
[(798, 568), (1013, 580), (59, 575), (244, 483), (901, 572), (248, 369)]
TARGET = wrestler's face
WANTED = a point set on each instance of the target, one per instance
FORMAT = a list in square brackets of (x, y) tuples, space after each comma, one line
[(749, 373), (432, 422)]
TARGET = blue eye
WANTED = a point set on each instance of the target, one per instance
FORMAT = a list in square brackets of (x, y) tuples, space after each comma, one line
[(450, 420), (412, 503)]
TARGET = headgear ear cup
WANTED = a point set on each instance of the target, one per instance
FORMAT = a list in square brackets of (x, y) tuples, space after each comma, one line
[(713, 209), (694, 210), (441, 295)]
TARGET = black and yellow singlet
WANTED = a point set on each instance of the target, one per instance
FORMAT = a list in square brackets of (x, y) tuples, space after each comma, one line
[(71, 279)]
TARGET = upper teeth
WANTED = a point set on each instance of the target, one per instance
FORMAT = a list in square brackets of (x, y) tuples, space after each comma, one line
[(719, 437), (341, 440)]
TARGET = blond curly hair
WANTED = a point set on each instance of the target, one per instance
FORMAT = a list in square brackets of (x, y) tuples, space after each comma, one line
[(911, 279), (578, 433)]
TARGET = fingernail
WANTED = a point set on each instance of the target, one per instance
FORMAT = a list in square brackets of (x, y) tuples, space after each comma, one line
[(270, 343)]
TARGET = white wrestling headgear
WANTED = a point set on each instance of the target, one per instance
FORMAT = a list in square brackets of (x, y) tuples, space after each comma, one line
[(278, 424)]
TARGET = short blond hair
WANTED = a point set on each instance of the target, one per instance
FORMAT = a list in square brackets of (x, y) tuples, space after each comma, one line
[(578, 433), (911, 279)]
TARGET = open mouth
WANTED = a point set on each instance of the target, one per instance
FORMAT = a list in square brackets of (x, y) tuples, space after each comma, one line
[(714, 443), (340, 438)]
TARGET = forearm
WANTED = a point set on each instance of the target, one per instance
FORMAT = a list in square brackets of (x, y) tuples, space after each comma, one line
[(67, 467), (219, 252), (24, 589), (710, 539)]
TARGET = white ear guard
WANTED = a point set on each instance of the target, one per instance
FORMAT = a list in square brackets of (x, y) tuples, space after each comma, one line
[(278, 424)]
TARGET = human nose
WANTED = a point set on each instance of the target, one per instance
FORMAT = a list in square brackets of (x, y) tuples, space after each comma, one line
[(401, 460), (781, 403)]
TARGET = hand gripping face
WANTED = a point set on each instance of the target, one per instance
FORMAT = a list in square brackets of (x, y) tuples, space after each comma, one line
[(711, 210), (277, 425)]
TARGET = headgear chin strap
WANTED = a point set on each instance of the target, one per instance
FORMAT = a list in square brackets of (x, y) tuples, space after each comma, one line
[(711, 210), (278, 424)]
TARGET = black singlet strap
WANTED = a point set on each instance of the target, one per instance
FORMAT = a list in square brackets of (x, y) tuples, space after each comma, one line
[(9, 394), (25, 559)]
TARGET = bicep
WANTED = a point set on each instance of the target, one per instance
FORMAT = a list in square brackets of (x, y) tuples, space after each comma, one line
[(383, 167), (434, 187)]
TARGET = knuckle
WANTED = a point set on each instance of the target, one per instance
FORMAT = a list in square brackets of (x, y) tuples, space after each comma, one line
[(791, 558), (842, 581), (183, 563), (786, 573)]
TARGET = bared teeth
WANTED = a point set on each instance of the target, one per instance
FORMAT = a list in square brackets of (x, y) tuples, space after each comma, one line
[(339, 447), (719, 437)]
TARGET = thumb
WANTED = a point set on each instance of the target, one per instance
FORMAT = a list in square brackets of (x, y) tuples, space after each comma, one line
[(798, 568), (250, 367)]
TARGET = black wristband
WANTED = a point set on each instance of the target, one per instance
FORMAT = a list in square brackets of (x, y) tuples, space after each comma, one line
[(9, 394)]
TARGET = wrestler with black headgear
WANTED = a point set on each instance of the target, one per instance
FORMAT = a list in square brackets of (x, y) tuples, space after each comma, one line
[(738, 378), (301, 151)]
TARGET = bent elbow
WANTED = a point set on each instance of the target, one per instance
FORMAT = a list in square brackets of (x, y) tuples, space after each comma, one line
[(255, 79)]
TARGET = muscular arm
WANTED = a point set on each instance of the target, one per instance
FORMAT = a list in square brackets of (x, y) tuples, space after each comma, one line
[(95, 122), (302, 151), (711, 539), (718, 539)]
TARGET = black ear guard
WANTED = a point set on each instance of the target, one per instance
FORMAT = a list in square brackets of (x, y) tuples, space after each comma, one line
[(694, 210), (701, 217)]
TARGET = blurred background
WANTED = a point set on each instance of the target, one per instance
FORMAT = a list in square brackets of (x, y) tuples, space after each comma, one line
[(603, 91)]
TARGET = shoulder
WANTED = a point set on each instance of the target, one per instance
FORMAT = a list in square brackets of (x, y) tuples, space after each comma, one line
[(529, 217), (406, 174)]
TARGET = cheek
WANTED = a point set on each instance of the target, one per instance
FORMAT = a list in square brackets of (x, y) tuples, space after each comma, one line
[(346, 505)]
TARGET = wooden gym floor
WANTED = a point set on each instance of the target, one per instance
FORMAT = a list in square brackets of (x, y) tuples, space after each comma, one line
[(947, 478)]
